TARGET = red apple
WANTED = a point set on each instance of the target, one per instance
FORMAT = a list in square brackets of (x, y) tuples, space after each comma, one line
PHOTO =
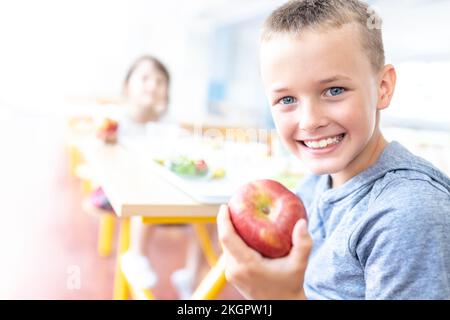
[(107, 130), (264, 213), (108, 125)]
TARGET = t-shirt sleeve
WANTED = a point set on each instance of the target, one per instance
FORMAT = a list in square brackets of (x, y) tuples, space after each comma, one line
[(404, 244)]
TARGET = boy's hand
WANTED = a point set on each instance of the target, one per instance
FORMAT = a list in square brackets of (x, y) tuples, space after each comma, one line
[(257, 277)]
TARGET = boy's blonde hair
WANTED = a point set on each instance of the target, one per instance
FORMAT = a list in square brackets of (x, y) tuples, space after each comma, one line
[(295, 16)]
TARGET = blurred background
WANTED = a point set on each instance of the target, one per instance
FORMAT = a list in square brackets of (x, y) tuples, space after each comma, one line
[(59, 58)]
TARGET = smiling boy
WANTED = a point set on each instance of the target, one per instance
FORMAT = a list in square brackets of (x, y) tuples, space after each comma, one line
[(378, 216)]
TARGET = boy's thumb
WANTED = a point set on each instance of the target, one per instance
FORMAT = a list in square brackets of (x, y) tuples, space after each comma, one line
[(301, 240)]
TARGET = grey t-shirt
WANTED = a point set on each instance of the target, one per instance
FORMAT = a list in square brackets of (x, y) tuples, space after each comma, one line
[(384, 234)]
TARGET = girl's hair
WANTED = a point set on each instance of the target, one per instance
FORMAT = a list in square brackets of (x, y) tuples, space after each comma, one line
[(158, 65)]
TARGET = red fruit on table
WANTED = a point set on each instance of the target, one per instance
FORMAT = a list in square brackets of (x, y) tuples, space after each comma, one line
[(201, 166), (264, 213), (108, 125), (107, 130)]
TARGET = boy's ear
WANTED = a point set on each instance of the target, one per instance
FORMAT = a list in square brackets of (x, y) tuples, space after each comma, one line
[(388, 79)]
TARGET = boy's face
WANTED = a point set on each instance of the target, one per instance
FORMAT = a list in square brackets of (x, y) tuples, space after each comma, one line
[(323, 94)]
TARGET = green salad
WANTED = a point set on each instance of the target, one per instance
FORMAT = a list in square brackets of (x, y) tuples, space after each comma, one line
[(188, 167)]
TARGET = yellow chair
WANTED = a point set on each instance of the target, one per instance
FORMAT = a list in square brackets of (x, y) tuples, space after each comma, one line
[(107, 219), (209, 288)]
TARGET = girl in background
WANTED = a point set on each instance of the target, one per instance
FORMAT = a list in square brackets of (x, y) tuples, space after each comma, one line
[(146, 93)]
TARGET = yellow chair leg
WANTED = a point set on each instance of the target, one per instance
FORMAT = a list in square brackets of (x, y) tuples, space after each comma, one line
[(205, 243), (74, 159), (212, 284), (106, 234), (142, 294), (86, 187), (121, 289)]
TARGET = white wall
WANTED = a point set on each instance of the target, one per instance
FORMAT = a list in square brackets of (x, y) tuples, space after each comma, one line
[(415, 29), (417, 41), (52, 49)]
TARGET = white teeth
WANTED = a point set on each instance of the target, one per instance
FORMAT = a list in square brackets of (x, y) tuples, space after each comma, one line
[(313, 144), (321, 144)]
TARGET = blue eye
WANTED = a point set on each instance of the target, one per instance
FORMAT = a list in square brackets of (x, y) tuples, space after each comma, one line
[(335, 91), (287, 100)]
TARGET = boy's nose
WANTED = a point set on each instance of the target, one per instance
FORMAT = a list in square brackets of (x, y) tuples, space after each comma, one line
[(311, 117)]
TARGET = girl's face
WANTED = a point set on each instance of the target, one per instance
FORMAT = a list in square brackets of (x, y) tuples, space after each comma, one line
[(146, 89)]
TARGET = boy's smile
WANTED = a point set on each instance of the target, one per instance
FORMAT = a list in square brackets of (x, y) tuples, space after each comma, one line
[(322, 145), (325, 97)]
